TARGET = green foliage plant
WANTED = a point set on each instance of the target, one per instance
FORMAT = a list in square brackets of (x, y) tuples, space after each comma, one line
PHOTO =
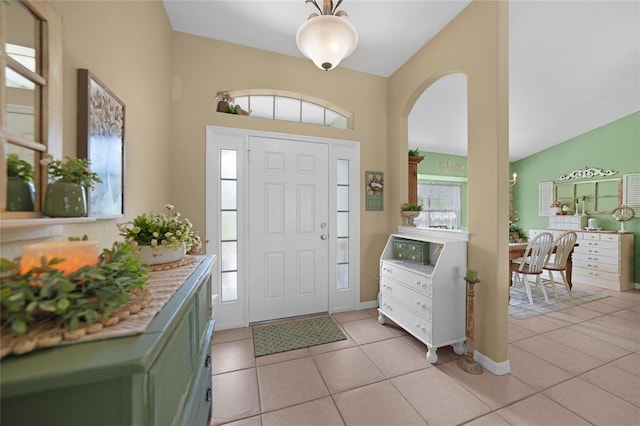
[(415, 153), (156, 230), (85, 296), (411, 207), (17, 167), (75, 170), (516, 230)]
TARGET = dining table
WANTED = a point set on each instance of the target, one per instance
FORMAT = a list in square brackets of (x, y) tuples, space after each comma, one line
[(516, 250)]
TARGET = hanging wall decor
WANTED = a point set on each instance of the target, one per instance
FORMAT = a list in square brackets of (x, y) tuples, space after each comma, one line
[(374, 190), (587, 173), (101, 132)]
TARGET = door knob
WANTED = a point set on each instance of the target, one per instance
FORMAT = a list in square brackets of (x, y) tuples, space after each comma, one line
[(323, 237)]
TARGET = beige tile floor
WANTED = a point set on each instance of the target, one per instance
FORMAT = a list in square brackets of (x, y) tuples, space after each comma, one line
[(580, 366)]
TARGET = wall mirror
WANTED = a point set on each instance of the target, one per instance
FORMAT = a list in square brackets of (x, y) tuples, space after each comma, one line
[(595, 197), (31, 109)]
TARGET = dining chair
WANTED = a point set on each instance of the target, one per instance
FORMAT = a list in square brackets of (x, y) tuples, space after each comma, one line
[(535, 257), (561, 249)]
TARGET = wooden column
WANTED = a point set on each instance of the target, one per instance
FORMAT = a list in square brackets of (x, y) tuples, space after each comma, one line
[(413, 178), (468, 364)]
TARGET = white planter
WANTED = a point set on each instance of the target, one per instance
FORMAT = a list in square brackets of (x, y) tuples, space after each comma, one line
[(162, 254)]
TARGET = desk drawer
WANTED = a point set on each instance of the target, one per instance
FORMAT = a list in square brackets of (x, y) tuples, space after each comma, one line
[(609, 245), (417, 302), (414, 281), (416, 247), (590, 257), (407, 319), (596, 266), (598, 279), (410, 250), (596, 251)]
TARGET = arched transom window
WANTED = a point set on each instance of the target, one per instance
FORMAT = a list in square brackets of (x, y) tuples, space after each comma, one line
[(290, 106)]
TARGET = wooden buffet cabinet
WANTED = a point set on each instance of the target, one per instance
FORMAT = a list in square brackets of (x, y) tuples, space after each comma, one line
[(422, 287), (161, 376)]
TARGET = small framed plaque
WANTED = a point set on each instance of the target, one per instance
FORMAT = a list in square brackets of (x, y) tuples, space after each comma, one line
[(374, 191)]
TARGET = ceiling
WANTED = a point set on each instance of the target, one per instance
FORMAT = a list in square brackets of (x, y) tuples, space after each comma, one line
[(573, 65)]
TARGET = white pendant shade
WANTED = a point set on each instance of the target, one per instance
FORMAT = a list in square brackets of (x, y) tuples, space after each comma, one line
[(327, 40)]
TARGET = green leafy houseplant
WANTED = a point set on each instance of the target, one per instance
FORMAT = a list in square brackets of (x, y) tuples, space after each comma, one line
[(86, 295), (415, 153), (156, 230), (516, 234), (411, 207), (66, 192), (19, 168), (74, 170)]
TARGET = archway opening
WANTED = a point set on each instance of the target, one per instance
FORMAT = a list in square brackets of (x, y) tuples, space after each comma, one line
[(437, 127)]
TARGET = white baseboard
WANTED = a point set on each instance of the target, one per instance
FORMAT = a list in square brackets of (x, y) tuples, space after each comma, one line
[(636, 286), (368, 305), (497, 368)]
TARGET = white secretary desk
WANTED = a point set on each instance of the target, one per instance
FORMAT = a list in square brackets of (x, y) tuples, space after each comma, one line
[(422, 286)]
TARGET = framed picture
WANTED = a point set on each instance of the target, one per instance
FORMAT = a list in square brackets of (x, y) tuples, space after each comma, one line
[(101, 135), (374, 194)]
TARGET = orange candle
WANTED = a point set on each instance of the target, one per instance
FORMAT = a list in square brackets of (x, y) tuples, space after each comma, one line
[(76, 254)]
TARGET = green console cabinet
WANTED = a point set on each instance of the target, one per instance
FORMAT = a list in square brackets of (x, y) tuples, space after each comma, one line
[(161, 376)]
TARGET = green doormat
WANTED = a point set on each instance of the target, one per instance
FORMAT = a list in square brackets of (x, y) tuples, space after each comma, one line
[(520, 308), (271, 339)]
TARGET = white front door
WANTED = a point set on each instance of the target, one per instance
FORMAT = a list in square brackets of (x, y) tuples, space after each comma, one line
[(288, 228)]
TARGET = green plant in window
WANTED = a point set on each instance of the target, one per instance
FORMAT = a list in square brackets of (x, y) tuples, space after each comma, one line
[(411, 207)]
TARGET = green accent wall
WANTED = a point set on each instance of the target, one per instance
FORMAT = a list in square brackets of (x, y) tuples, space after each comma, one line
[(614, 146)]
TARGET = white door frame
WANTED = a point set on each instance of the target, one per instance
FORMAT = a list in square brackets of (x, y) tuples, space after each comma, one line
[(232, 314)]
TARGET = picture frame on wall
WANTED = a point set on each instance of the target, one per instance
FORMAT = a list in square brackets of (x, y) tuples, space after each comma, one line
[(374, 190), (101, 138)]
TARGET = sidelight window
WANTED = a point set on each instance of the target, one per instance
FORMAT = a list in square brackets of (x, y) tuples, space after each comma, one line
[(228, 225)]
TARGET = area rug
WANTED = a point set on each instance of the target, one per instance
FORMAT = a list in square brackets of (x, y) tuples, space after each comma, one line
[(520, 308), (286, 336)]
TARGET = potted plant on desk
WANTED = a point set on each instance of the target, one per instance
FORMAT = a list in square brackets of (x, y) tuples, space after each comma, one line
[(161, 238)]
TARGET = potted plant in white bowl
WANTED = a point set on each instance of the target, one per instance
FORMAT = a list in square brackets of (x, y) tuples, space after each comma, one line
[(66, 191), (410, 211), (161, 238)]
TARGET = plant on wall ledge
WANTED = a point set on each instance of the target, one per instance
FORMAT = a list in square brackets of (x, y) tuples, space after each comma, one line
[(411, 207), (226, 105), (415, 153)]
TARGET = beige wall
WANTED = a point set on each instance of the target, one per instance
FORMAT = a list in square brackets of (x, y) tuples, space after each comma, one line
[(127, 45), (474, 43), (202, 67)]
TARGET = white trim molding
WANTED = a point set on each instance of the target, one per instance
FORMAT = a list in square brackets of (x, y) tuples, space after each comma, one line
[(497, 368)]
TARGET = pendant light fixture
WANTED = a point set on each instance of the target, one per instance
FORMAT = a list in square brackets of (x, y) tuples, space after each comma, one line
[(327, 38)]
